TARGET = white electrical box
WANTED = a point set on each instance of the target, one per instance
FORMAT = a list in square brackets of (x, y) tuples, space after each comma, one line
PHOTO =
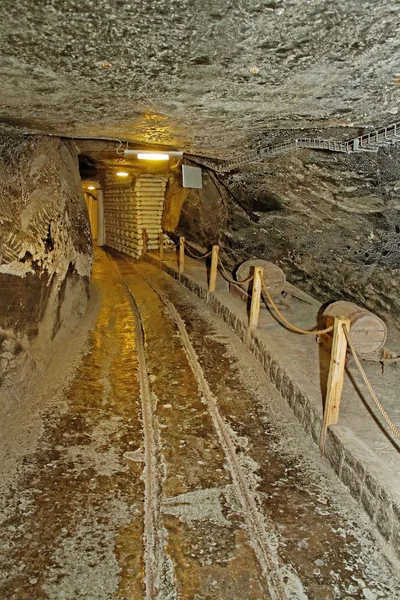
[(191, 177)]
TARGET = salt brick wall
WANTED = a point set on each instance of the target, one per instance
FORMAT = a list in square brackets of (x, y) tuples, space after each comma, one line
[(129, 206)]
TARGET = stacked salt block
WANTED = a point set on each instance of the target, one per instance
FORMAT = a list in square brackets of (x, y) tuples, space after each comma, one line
[(149, 203), (118, 206), (130, 209)]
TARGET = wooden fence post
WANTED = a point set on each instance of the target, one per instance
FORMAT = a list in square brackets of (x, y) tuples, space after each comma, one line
[(161, 245), (335, 378), (256, 298), (181, 254), (214, 268), (144, 239)]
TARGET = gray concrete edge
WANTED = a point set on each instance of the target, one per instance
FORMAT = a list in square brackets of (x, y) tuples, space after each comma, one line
[(363, 486)]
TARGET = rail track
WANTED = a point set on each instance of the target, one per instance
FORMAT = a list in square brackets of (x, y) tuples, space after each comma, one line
[(156, 563), (256, 525)]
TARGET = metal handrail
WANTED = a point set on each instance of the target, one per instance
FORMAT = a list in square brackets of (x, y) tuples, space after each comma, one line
[(369, 142)]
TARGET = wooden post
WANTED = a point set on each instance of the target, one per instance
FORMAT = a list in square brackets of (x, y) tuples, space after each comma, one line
[(255, 298), (101, 234), (335, 378), (214, 268), (161, 246), (144, 238), (181, 254)]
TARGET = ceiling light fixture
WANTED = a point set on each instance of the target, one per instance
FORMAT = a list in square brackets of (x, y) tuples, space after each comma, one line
[(122, 174), (149, 155), (91, 187), (153, 156)]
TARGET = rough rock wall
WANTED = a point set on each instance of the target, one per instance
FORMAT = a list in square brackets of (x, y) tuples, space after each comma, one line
[(198, 214), (175, 196), (45, 255), (331, 222)]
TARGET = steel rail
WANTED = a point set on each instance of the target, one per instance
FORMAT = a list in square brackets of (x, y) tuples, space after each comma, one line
[(254, 519), (153, 538)]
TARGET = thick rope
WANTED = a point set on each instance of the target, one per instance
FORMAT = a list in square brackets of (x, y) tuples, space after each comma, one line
[(285, 321), (168, 247), (190, 251), (228, 278), (384, 414)]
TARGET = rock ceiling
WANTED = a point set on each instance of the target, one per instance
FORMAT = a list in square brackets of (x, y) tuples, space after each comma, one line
[(211, 77)]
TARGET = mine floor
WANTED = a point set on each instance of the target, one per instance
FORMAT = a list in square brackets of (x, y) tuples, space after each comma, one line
[(156, 461)]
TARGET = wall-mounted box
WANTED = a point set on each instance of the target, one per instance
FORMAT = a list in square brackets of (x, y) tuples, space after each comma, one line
[(191, 177)]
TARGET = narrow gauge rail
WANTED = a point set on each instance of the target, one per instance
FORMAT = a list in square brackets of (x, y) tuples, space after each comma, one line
[(254, 520)]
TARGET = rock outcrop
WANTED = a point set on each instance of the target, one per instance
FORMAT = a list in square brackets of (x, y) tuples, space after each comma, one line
[(45, 255), (332, 222)]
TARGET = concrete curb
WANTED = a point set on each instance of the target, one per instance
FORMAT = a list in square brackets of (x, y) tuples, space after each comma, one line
[(375, 500)]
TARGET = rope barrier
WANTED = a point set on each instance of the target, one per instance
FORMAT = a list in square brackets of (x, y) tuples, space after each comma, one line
[(286, 322), (228, 278), (384, 414), (190, 251), (296, 329), (170, 247)]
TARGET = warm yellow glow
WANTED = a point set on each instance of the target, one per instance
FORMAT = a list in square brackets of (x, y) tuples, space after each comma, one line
[(91, 187), (153, 156), (122, 174)]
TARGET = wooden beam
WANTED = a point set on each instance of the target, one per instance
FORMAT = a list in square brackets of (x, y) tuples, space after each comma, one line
[(335, 378), (255, 298), (181, 254), (144, 238), (214, 268), (161, 246)]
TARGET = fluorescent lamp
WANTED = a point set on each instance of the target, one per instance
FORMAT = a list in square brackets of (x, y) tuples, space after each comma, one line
[(91, 187), (152, 156), (149, 155), (122, 174)]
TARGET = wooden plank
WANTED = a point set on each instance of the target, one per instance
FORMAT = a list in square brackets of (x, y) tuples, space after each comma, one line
[(145, 193), (256, 298), (149, 215), (147, 202), (153, 209), (150, 194), (151, 184), (161, 245), (335, 378), (150, 234), (153, 224), (181, 254), (148, 186), (214, 268), (147, 207), (146, 225), (144, 237)]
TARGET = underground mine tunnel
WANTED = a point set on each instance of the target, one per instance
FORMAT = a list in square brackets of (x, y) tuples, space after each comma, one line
[(199, 300)]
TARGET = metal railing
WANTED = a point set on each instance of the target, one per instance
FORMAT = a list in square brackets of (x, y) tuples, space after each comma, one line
[(369, 142)]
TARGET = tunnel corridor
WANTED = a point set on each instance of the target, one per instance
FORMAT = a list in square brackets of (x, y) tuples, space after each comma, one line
[(200, 300), (146, 451), (167, 466)]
